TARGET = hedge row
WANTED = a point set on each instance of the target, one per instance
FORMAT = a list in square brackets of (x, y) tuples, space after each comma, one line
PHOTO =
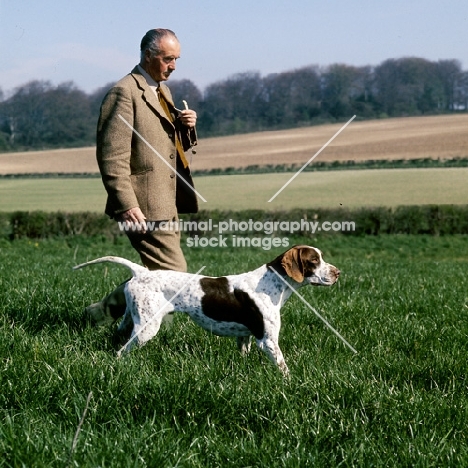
[(270, 168), (428, 219), (341, 165)]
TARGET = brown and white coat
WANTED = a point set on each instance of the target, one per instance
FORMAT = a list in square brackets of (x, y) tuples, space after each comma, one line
[(237, 305)]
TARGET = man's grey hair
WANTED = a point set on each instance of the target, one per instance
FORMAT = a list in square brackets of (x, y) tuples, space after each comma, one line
[(152, 39)]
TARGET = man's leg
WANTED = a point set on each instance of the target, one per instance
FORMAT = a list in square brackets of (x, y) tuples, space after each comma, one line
[(159, 249)]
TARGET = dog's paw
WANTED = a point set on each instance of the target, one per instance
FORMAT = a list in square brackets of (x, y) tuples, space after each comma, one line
[(243, 343), (98, 315)]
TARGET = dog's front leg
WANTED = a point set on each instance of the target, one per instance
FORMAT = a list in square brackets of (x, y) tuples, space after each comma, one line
[(271, 348)]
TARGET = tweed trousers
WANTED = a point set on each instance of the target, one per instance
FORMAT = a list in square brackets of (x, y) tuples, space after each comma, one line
[(159, 249)]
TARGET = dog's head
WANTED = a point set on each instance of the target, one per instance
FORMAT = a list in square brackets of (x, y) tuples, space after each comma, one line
[(304, 264)]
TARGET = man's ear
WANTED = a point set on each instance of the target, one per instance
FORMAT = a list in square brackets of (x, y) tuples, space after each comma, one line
[(147, 55)]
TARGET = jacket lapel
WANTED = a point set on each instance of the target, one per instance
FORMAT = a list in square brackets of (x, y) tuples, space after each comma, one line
[(148, 94)]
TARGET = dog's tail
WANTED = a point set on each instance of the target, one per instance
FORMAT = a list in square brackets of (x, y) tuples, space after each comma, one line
[(134, 268)]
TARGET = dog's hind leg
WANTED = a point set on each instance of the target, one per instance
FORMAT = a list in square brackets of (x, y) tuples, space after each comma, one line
[(147, 316), (243, 343), (142, 333), (109, 309), (124, 330)]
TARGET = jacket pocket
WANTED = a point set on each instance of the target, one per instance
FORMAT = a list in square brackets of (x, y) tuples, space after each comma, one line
[(141, 172)]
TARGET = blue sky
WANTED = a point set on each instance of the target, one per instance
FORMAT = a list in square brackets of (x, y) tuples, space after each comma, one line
[(94, 43)]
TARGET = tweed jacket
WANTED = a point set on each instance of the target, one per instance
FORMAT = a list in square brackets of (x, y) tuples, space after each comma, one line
[(132, 173)]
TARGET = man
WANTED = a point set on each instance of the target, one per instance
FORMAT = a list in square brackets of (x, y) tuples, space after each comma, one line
[(141, 140), (134, 122)]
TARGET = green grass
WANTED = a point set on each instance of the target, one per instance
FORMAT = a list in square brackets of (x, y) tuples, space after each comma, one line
[(47, 194), (189, 399), (350, 189)]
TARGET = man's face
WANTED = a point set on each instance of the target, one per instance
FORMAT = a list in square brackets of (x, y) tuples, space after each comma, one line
[(160, 66)]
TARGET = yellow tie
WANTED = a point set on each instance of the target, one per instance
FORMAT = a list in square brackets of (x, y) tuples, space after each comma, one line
[(179, 147)]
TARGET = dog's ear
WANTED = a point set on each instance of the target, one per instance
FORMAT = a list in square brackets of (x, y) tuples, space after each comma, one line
[(292, 265), (300, 262), (310, 260)]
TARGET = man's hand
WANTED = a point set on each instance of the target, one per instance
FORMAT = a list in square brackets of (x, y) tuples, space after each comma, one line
[(188, 117), (134, 217)]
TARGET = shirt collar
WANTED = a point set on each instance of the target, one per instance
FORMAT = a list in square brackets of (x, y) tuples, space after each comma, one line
[(154, 85)]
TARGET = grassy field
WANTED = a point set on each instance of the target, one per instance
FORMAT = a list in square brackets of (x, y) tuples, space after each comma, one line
[(189, 399), (436, 137), (350, 188)]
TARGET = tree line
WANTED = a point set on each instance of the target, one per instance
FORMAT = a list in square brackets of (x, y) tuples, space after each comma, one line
[(40, 115)]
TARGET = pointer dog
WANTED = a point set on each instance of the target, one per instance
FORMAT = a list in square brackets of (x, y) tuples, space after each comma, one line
[(236, 305)]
